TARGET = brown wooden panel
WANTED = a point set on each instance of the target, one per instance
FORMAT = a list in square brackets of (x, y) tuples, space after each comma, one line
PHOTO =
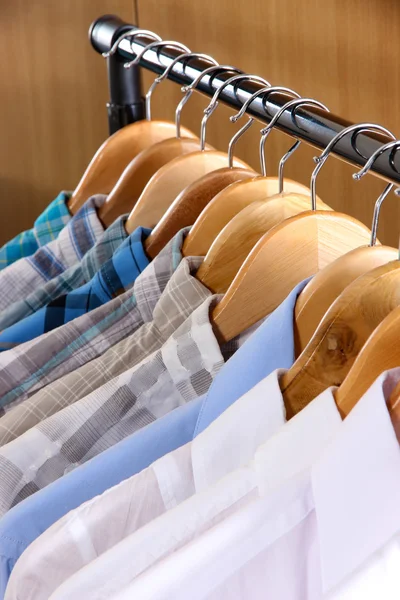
[(52, 101), (341, 53)]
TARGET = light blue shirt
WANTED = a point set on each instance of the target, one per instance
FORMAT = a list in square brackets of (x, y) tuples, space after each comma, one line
[(269, 348)]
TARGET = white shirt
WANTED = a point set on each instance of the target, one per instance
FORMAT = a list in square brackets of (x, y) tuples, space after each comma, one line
[(332, 532), (225, 481), (101, 523)]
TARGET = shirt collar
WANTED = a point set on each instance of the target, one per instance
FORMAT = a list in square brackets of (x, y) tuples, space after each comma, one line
[(150, 284), (270, 348), (182, 294), (298, 444), (356, 485), (52, 220), (118, 274), (82, 231), (110, 241), (231, 441)]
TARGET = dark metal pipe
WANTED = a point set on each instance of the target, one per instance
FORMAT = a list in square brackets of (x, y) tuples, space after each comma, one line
[(313, 126)]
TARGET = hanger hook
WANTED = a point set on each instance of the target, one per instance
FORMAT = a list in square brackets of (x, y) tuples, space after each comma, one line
[(293, 105), (139, 56), (188, 89), (214, 101), (320, 160), (368, 165), (242, 130), (182, 103), (132, 33)]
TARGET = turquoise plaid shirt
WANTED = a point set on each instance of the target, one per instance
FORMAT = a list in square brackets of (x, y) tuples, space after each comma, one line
[(46, 228)]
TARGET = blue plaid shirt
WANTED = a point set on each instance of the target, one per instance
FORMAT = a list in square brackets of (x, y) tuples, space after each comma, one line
[(46, 228), (116, 276), (71, 279)]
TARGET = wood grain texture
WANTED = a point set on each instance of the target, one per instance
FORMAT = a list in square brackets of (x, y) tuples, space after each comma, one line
[(52, 102), (340, 336), (233, 244), (320, 293), (290, 252), (189, 204), (344, 54)]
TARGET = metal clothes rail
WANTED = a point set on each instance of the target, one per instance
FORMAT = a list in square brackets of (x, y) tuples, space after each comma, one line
[(312, 126)]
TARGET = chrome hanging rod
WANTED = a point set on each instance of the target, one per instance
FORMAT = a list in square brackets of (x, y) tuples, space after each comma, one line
[(313, 126)]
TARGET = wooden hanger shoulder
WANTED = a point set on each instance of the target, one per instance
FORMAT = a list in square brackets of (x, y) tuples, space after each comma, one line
[(233, 244), (328, 284), (290, 252), (227, 204), (171, 180), (189, 203), (341, 334), (380, 353), (116, 153), (139, 171)]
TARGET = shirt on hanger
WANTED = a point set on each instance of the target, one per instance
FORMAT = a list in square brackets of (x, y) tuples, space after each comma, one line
[(27, 368), (26, 521), (45, 229), (71, 279), (181, 370), (342, 516), (114, 277), (227, 479), (183, 293), (72, 243)]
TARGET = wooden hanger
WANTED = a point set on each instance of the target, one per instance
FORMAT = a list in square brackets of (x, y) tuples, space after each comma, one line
[(171, 180), (139, 171), (115, 154), (228, 203), (240, 235), (120, 149), (339, 337), (235, 198), (290, 252), (320, 293), (190, 202), (380, 353)]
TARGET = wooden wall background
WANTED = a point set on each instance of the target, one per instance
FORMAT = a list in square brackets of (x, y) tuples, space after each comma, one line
[(54, 87)]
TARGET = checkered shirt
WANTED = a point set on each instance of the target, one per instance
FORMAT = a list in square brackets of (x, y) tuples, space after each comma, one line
[(71, 279), (45, 229), (78, 236), (115, 277), (183, 369), (182, 295), (27, 368)]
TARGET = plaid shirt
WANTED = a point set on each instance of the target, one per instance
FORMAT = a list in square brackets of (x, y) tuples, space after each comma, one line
[(183, 369), (182, 295), (115, 276), (27, 368), (81, 233), (46, 229), (71, 279)]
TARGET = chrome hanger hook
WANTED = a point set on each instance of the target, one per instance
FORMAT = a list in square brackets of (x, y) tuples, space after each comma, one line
[(320, 160), (136, 61), (360, 174), (188, 89), (292, 104), (267, 90), (242, 130), (214, 101), (130, 33), (157, 44)]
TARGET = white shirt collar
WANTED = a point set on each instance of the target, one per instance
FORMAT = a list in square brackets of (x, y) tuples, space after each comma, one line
[(356, 485), (251, 420)]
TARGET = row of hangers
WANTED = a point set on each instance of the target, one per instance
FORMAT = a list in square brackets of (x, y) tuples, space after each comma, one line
[(260, 236)]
